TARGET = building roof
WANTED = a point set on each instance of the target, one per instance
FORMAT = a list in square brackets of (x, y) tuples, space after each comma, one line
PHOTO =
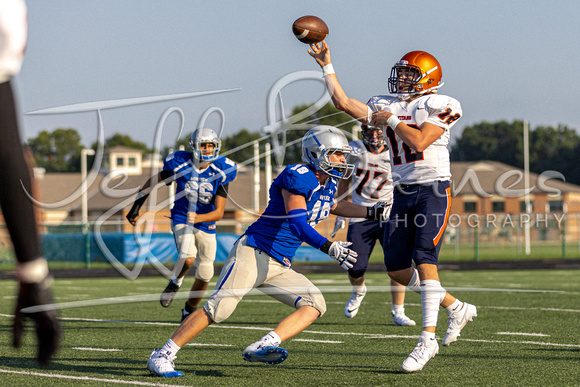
[(485, 178)]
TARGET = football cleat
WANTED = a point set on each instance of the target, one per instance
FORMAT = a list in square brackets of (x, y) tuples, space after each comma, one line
[(161, 364), (265, 354), (457, 320), (351, 307), (400, 319), (168, 294), (422, 353)]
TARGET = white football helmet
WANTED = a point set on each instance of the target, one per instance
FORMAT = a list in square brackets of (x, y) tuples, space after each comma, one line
[(204, 136), (319, 144), (372, 136)]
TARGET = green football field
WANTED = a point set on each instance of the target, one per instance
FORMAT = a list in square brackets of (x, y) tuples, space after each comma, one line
[(526, 333)]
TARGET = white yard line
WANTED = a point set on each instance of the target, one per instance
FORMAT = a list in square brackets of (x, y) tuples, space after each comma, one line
[(319, 341), (97, 349), (84, 378)]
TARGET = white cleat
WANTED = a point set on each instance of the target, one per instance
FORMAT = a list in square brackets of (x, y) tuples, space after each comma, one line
[(353, 304), (161, 364), (400, 319), (457, 321), (422, 353)]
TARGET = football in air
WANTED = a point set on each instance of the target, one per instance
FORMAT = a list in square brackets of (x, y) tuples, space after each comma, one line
[(310, 29)]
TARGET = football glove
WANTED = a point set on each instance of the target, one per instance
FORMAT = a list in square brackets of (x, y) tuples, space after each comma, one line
[(132, 216), (380, 211), (46, 324), (339, 223), (340, 252)]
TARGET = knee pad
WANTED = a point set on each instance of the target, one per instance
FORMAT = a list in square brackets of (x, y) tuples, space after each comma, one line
[(204, 270), (220, 309), (314, 299)]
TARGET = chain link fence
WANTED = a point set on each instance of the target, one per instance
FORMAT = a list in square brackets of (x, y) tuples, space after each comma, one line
[(491, 237)]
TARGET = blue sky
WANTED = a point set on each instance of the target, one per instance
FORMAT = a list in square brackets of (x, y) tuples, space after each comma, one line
[(503, 60)]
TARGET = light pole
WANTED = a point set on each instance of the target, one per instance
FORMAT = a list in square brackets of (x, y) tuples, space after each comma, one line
[(84, 204)]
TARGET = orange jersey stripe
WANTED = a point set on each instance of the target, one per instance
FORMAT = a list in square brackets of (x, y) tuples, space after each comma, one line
[(442, 229)]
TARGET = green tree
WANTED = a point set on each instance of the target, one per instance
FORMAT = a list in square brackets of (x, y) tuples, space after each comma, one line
[(238, 140), (327, 115), (118, 139), (57, 151), (550, 148), (229, 143), (500, 141), (555, 149)]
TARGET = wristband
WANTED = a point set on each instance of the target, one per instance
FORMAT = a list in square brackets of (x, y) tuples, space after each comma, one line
[(327, 70), (325, 248), (393, 121), (370, 213)]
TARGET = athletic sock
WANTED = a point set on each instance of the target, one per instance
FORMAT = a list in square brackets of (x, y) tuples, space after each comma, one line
[(398, 308), (271, 339), (453, 307), (426, 336), (431, 296), (362, 289), (177, 281), (170, 346), (189, 309)]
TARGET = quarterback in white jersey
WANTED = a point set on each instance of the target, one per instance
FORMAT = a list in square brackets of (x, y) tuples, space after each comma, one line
[(432, 164), (416, 122), (371, 182)]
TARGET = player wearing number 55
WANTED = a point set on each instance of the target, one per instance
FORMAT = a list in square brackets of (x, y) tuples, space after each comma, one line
[(417, 122), (202, 178), (300, 197)]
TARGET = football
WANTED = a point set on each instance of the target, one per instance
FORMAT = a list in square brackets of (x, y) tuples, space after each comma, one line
[(310, 29)]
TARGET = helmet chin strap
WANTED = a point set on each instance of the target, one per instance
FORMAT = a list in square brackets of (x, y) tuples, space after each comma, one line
[(406, 96)]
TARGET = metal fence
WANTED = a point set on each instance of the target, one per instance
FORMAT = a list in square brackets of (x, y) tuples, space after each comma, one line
[(470, 237)]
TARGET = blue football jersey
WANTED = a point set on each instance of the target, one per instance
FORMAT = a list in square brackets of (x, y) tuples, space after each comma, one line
[(196, 189), (271, 233)]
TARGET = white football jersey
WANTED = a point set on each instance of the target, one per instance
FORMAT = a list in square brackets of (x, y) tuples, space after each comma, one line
[(371, 179), (409, 166), (13, 33)]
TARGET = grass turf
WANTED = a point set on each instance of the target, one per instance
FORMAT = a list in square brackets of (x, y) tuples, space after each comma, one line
[(526, 333)]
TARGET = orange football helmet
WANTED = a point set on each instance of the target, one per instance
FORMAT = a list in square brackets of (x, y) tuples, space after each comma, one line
[(418, 72)]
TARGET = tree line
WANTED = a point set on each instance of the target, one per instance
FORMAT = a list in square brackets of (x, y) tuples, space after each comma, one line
[(549, 148)]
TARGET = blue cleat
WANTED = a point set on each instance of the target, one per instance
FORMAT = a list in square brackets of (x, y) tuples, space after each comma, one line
[(265, 354), (161, 364)]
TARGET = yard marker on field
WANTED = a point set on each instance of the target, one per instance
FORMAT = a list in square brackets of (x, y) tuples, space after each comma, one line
[(209, 345), (522, 334)]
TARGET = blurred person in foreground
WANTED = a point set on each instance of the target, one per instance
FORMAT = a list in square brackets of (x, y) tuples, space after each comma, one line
[(35, 282)]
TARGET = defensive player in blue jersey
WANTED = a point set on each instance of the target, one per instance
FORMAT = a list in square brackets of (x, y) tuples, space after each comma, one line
[(202, 178), (300, 197)]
